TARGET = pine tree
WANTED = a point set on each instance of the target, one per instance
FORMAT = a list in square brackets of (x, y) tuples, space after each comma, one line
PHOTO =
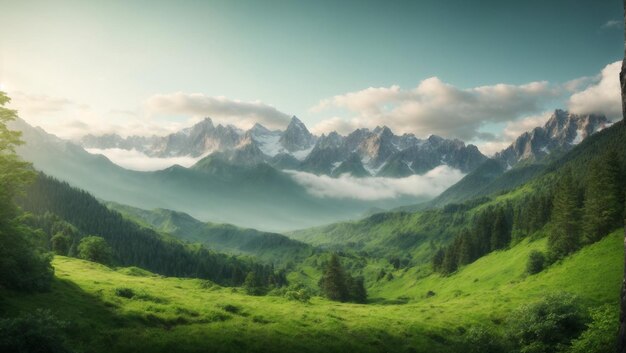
[(565, 234), (602, 209), (333, 281), (356, 289), (252, 284), (500, 236), (437, 260), (450, 261), (467, 252)]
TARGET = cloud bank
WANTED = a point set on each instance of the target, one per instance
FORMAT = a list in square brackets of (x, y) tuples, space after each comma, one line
[(430, 185), (602, 95), (435, 107), (220, 109), (135, 160)]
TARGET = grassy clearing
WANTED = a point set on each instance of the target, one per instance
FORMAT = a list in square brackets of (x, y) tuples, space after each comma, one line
[(132, 310)]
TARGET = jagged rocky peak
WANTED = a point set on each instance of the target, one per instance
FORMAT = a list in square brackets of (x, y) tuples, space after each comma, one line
[(296, 137), (561, 132), (259, 129)]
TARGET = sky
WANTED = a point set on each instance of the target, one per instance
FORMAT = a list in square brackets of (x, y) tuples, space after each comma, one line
[(480, 71)]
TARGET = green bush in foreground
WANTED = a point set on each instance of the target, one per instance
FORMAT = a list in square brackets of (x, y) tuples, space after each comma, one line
[(600, 334), (38, 332), (547, 326)]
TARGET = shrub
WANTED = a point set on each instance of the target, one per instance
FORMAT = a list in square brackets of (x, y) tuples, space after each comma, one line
[(95, 249), (34, 332), (299, 293), (60, 244), (124, 292), (546, 326), (23, 265), (536, 262), (600, 334), (481, 340)]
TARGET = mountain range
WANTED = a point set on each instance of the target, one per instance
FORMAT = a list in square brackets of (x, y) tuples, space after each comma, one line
[(241, 181), (364, 152)]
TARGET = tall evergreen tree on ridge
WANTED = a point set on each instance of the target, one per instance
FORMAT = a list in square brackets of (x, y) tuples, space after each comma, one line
[(565, 233), (603, 207)]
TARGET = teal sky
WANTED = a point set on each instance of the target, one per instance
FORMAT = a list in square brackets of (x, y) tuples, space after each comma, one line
[(113, 55)]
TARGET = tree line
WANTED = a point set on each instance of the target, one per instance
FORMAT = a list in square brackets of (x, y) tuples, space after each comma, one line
[(67, 214), (574, 212)]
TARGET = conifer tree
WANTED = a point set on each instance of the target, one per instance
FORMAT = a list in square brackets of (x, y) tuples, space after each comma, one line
[(467, 252), (450, 261), (437, 260), (356, 289), (500, 236), (333, 281), (565, 233), (602, 209)]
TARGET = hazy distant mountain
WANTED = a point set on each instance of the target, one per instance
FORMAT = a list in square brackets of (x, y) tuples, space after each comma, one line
[(379, 152), (222, 187)]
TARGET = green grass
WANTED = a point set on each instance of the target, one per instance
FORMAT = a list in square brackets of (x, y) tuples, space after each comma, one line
[(187, 315)]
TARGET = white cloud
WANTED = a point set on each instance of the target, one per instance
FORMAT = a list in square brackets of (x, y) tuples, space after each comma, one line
[(430, 184), (612, 24), (434, 107), (219, 109), (601, 96), (513, 130), (135, 160)]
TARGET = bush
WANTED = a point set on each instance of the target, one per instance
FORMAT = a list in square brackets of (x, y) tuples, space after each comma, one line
[(95, 249), (38, 332), (124, 292), (60, 244), (600, 334), (480, 340), (546, 326), (23, 266), (536, 262), (298, 292)]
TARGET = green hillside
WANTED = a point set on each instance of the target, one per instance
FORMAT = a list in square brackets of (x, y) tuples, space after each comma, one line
[(196, 316), (268, 247)]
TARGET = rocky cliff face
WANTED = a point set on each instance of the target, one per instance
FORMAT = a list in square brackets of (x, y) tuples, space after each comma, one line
[(560, 133)]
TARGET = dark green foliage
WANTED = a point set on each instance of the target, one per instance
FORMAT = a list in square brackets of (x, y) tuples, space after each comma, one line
[(133, 245), (24, 264), (599, 337), (37, 332), (96, 249), (536, 262), (467, 248), (333, 281), (479, 339), (603, 198), (356, 289), (124, 292), (436, 261), (252, 284), (490, 231), (500, 232), (338, 285), (60, 244), (565, 232), (547, 326)]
